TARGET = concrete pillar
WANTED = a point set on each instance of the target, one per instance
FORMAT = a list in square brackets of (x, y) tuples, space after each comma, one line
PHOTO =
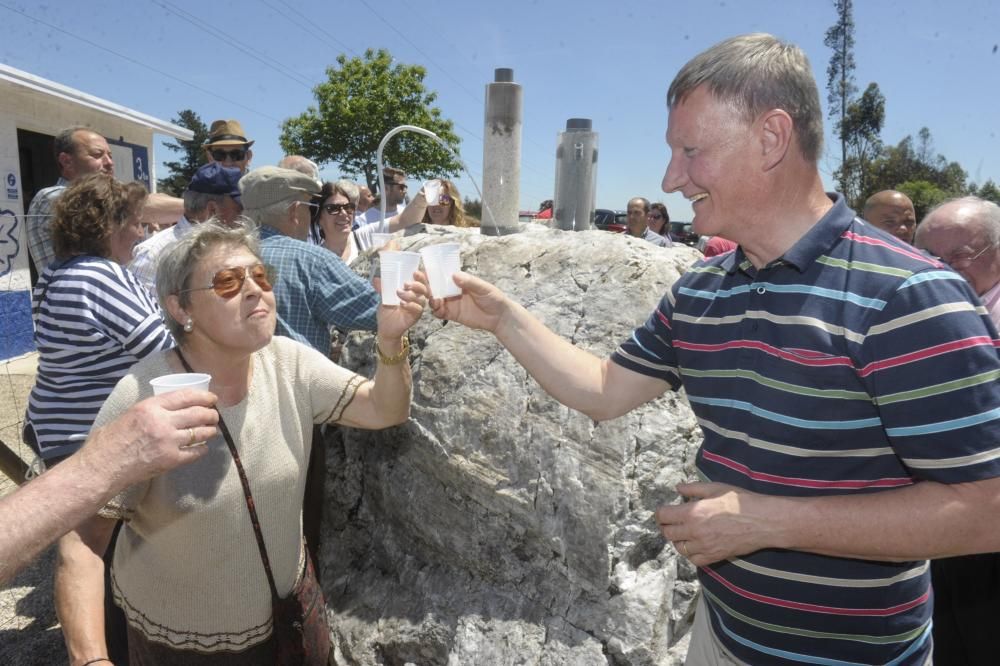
[(576, 176), (502, 155)]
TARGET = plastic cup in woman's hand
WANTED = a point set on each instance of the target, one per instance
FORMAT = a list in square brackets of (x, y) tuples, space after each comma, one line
[(432, 191), (397, 268), (441, 262), (181, 380)]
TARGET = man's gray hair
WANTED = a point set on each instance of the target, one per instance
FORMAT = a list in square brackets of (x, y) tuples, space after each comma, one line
[(756, 73), (300, 164), (272, 215), (177, 263), (988, 215), (65, 141), (195, 202)]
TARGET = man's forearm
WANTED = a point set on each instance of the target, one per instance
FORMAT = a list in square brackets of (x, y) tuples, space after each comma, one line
[(926, 520), (45, 509)]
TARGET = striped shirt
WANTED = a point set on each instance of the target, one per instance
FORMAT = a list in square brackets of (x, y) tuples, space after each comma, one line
[(315, 290), (93, 321), (852, 364)]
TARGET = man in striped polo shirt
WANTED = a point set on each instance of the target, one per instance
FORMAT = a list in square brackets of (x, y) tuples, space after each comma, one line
[(846, 385)]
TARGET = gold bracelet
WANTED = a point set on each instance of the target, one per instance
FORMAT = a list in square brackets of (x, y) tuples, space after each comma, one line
[(397, 358)]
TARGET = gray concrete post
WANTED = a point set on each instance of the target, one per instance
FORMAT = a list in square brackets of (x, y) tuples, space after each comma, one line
[(576, 176), (502, 155)]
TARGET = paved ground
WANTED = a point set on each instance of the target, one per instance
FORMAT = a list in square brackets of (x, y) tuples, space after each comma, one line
[(29, 630)]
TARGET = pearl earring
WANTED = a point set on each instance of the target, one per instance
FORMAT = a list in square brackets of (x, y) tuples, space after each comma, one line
[(189, 325)]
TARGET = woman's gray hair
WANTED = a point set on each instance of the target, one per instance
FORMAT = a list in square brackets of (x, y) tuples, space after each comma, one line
[(349, 189), (177, 263), (756, 73)]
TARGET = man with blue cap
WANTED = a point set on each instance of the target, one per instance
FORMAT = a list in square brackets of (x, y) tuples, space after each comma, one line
[(213, 192)]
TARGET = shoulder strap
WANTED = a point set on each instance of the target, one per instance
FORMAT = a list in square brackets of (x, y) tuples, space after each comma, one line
[(251, 507)]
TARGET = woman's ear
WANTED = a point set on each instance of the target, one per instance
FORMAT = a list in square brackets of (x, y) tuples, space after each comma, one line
[(174, 309)]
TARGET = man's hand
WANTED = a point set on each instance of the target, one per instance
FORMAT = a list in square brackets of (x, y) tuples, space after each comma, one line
[(720, 522), (153, 436), (481, 305)]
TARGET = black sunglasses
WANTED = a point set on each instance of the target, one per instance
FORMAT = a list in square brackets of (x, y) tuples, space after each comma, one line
[(333, 209), (236, 155)]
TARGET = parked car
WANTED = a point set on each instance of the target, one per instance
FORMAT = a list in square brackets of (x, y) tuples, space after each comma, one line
[(606, 219), (681, 232)]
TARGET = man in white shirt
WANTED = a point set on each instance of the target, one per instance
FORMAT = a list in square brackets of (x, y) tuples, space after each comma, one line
[(395, 193)]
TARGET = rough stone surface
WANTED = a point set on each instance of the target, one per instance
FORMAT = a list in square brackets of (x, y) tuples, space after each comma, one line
[(497, 526)]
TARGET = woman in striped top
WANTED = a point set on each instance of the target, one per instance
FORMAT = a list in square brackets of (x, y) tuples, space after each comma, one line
[(93, 319)]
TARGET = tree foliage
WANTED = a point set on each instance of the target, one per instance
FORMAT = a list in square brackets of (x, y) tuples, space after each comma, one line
[(924, 195), (361, 100), (192, 154), (840, 72), (861, 130), (988, 190), (916, 162)]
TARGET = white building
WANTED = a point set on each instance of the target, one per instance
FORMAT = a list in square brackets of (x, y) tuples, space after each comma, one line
[(32, 111)]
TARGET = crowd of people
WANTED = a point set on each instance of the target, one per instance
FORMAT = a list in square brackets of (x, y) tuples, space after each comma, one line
[(843, 375)]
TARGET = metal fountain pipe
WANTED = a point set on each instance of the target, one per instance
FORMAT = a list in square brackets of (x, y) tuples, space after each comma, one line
[(420, 130)]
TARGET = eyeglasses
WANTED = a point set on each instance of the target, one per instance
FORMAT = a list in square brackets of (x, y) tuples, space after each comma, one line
[(334, 209), (444, 200), (229, 281), (655, 216), (236, 155), (965, 258)]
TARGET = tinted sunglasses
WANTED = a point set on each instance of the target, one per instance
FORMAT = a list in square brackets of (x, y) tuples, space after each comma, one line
[(444, 200), (236, 155), (229, 281), (333, 209)]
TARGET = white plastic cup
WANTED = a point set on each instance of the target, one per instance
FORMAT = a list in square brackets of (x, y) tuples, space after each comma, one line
[(181, 380), (380, 240), (432, 191), (441, 262), (396, 268)]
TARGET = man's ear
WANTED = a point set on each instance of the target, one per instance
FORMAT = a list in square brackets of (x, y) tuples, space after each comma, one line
[(65, 165), (776, 135)]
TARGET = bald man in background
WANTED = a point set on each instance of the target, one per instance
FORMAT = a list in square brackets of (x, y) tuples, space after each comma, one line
[(893, 213)]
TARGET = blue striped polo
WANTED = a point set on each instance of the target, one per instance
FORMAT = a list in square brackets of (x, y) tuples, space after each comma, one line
[(851, 364)]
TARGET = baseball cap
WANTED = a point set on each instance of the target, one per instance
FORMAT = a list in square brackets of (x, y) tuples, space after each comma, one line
[(213, 178)]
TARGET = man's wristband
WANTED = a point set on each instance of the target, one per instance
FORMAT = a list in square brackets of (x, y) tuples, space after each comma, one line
[(395, 359)]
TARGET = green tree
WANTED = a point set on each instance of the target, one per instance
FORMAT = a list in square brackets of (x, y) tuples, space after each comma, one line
[(361, 100), (924, 195), (473, 208), (910, 162), (987, 190), (860, 130), (840, 73), (192, 154)]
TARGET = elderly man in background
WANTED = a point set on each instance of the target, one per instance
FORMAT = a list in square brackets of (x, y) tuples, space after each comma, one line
[(213, 192), (227, 144), (846, 388), (300, 164), (965, 234), (893, 213), (638, 226)]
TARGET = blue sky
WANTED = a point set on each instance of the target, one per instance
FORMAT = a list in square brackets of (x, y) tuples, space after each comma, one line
[(256, 60)]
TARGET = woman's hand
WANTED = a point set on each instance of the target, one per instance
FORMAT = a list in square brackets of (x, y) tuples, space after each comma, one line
[(395, 320), (481, 305)]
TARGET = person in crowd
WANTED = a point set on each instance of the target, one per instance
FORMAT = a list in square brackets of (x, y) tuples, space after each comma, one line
[(80, 151), (212, 193), (544, 210), (150, 438), (447, 210), (844, 441), (228, 145), (314, 291), (394, 195), (187, 570), (333, 216), (93, 318), (893, 213), (965, 234), (638, 210), (658, 221), (716, 245), (300, 164), (365, 201)]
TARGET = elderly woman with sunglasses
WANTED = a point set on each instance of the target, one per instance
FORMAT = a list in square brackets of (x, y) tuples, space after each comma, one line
[(333, 217), (187, 569)]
